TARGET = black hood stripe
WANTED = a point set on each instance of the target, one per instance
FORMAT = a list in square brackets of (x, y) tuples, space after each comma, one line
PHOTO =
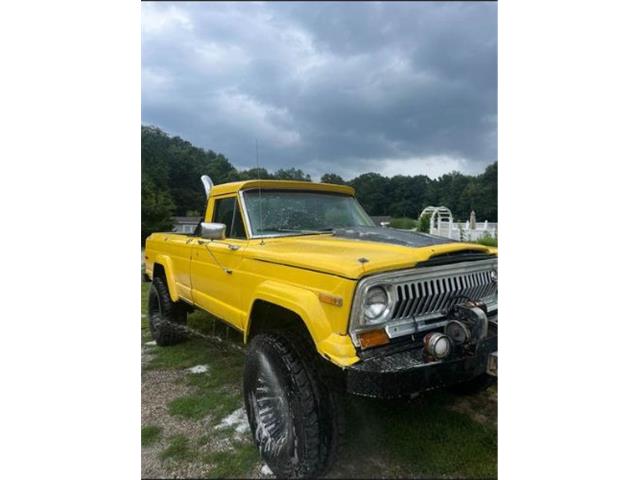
[(405, 238)]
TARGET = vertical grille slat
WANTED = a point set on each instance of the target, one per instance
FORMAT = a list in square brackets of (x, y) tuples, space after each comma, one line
[(414, 300), (441, 294), (430, 298), (474, 286), (405, 301), (423, 300), (418, 298)]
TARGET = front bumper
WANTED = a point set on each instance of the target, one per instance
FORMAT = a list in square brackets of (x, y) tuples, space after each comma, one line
[(406, 372)]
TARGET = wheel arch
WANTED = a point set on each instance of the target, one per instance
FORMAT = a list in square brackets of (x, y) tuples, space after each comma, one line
[(277, 305), (163, 268)]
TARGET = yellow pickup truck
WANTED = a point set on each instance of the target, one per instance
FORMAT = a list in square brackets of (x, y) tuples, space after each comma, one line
[(328, 303)]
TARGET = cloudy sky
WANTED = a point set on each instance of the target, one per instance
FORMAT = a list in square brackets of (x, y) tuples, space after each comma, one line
[(394, 88)]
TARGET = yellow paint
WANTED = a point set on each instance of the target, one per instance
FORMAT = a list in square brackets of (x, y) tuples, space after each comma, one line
[(290, 272)]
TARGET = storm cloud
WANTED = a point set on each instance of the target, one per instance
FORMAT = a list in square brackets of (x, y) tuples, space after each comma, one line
[(348, 88)]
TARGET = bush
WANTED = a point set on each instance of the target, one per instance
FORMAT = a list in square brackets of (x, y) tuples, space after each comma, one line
[(403, 223), (423, 223), (488, 241)]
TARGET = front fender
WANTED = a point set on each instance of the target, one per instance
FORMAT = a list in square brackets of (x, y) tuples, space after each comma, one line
[(167, 264), (305, 303)]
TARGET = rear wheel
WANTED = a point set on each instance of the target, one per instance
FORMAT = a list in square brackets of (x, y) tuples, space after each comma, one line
[(294, 417), (167, 319)]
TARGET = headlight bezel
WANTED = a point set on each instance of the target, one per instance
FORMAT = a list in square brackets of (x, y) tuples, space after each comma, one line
[(381, 317), (358, 322)]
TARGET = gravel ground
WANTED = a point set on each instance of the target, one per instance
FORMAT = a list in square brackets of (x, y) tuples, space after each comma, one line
[(159, 388)]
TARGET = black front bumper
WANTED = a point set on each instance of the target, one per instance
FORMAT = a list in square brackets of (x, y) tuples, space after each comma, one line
[(406, 372)]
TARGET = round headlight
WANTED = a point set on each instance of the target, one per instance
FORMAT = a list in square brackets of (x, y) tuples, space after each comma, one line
[(376, 302)]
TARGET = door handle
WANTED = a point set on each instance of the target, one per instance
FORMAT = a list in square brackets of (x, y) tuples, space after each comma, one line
[(233, 247), (203, 242)]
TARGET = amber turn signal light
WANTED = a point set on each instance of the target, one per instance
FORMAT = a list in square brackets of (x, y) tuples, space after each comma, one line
[(373, 338), (330, 299)]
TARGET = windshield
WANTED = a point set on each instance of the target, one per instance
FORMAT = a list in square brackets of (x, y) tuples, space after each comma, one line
[(281, 212)]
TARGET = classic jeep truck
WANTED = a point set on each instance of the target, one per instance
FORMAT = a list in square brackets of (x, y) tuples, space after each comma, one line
[(328, 304)]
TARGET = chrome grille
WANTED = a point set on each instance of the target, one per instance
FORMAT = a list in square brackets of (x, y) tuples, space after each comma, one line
[(421, 298)]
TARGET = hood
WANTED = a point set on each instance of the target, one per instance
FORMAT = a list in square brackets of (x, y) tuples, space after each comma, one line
[(355, 252)]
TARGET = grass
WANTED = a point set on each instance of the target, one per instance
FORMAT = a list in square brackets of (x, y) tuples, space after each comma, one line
[(218, 404), (217, 392), (178, 449), (150, 435), (235, 463), (192, 352), (421, 438)]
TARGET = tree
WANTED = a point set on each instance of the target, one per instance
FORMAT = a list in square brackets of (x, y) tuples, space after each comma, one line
[(332, 178), (372, 192), (157, 208), (291, 174)]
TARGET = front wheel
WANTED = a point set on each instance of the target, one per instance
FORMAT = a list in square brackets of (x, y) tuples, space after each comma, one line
[(290, 411), (167, 318)]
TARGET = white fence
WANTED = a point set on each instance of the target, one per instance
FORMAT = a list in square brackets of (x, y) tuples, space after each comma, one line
[(464, 232)]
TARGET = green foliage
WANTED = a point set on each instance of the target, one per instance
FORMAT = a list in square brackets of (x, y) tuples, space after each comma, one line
[(424, 223), (235, 463), (425, 439), (178, 449), (195, 351), (150, 434), (403, 223), (332, 178), (372, 189), (488, 241), (171, 170), (157, 208), (217, 404), (291, 174)]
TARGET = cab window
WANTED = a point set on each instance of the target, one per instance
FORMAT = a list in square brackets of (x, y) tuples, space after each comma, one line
[(227, 211)]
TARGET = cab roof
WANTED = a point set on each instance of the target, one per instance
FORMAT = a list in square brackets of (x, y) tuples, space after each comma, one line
[(233, 187)]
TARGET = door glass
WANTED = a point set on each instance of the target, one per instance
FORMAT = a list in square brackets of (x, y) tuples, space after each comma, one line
[(227, 211)]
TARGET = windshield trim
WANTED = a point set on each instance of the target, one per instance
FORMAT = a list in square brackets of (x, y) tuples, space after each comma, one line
[(251, 235)]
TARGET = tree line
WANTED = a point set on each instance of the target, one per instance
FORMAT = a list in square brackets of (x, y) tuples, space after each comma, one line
[(171, 170)]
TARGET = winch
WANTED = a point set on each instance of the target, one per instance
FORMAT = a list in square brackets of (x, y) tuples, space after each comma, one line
[(468, 325)]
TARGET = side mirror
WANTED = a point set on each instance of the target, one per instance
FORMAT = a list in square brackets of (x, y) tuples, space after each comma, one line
[(212, 231)]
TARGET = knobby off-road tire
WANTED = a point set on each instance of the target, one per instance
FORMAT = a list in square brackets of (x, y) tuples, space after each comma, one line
[(165, 316), (296, 420), (476, 385)]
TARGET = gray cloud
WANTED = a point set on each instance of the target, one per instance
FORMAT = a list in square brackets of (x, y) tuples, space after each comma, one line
[(327, 87)]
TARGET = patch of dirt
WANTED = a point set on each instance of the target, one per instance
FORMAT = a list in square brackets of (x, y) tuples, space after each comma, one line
[(159, 388)]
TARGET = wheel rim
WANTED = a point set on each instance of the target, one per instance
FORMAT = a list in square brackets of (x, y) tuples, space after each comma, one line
[(272, 414)]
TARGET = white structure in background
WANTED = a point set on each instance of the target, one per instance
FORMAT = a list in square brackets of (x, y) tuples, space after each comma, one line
[(441, 223)]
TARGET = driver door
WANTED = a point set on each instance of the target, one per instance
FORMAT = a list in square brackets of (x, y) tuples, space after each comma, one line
[(213, 263)]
